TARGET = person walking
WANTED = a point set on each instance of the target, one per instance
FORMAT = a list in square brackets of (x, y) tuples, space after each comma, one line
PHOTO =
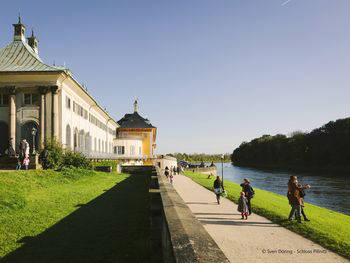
[(248, 193), (218, 188), (295, 200), (243, 206)]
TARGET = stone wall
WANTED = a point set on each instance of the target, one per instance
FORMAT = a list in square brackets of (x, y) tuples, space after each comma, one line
[(174, 229)]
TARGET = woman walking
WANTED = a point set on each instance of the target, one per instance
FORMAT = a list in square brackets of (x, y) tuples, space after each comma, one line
[(218, 188), (248, 192)]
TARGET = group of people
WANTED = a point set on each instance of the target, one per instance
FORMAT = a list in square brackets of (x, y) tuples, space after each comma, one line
[(169, 173), (295, 194), (247, 193), (23, 155)]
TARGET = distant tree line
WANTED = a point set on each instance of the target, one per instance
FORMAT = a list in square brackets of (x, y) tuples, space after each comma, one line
[(201, 157), (327, 146)]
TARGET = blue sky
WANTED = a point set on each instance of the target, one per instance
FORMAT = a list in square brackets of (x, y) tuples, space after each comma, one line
[(208, 73)]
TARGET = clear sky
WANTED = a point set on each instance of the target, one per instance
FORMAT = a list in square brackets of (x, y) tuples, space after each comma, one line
[(208, 73)]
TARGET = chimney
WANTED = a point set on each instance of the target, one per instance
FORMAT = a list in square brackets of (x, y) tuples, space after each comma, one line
[(19, 34), (33, 43)]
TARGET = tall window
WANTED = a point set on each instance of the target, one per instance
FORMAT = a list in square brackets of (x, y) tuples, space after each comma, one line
[(120, 150), (68, 136), (140, 150), (31, 99), (4, 99), (132, 150), (68, 102), (95, 148)]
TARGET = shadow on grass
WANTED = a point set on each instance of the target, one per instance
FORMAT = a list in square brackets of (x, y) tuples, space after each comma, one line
[(114, 227)]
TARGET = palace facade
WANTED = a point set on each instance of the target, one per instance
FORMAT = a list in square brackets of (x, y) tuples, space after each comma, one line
[(39, 102)]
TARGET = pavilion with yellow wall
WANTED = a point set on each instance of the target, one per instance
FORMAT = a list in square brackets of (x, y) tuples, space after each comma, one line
[(136, 139)]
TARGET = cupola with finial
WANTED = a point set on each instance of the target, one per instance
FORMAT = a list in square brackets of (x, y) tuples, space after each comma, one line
[(33, 43), (136, 106), (20, 29)]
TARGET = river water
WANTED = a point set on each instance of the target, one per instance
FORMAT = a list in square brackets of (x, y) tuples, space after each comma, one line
[(329, 191)]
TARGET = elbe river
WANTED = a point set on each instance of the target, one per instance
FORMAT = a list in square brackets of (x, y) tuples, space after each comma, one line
[(329, 191)]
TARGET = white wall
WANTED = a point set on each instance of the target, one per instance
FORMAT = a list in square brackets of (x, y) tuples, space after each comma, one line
[(79, 123)]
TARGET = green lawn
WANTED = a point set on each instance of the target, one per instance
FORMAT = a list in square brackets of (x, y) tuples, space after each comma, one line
[(328, 228), (73, 216)]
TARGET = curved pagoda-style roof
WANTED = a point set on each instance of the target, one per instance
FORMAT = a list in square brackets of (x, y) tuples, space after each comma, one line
[(134, 120), (20, 57)]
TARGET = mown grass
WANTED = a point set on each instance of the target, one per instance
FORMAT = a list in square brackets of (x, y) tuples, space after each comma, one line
[(328, 228), (73, 216)]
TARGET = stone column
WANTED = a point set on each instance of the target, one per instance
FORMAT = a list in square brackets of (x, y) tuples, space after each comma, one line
[(55, 128), (12, 117), (43, 90)]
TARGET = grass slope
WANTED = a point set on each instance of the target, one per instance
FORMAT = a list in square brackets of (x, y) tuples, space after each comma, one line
[(328, 228), (74, 216)]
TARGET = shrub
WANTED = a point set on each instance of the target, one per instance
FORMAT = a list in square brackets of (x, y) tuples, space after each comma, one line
[(58, 158), (75, 159), (55, 156), (106, 163)]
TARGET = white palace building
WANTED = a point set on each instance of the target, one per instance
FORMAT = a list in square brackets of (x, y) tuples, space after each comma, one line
[(39, 102)]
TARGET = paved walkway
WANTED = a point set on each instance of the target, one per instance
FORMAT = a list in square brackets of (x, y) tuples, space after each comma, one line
[(254, 240)]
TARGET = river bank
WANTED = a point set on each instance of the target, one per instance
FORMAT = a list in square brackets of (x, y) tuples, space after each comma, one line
[(327, 228), (328, 190), (299, 168)]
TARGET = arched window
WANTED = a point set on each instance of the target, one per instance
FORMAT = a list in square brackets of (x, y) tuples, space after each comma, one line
[(76, 139), (4, 138), (81, 140), (87, 142), (68, 137)]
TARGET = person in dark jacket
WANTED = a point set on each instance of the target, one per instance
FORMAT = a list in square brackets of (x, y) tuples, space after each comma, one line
[(44, 155), (218, 188), (243, 206), (248, 192)]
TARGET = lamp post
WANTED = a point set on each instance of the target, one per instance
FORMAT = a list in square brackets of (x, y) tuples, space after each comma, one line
[(222, 170), (34, 131)]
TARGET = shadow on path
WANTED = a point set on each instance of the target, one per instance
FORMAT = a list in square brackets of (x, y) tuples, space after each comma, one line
[(237, 223), (113, 227)]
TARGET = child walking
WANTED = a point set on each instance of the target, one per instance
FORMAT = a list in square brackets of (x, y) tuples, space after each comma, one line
[(26, 162), (243, 206)]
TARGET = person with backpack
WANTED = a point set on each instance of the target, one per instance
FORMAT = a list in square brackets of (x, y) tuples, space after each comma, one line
[(218, 188), (248, 192)]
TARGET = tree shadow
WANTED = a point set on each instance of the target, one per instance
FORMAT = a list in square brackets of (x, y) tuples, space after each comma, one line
[(236, 223), (114, 227)]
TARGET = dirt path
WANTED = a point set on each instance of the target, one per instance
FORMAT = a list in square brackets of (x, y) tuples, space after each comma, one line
[(254, 240)]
